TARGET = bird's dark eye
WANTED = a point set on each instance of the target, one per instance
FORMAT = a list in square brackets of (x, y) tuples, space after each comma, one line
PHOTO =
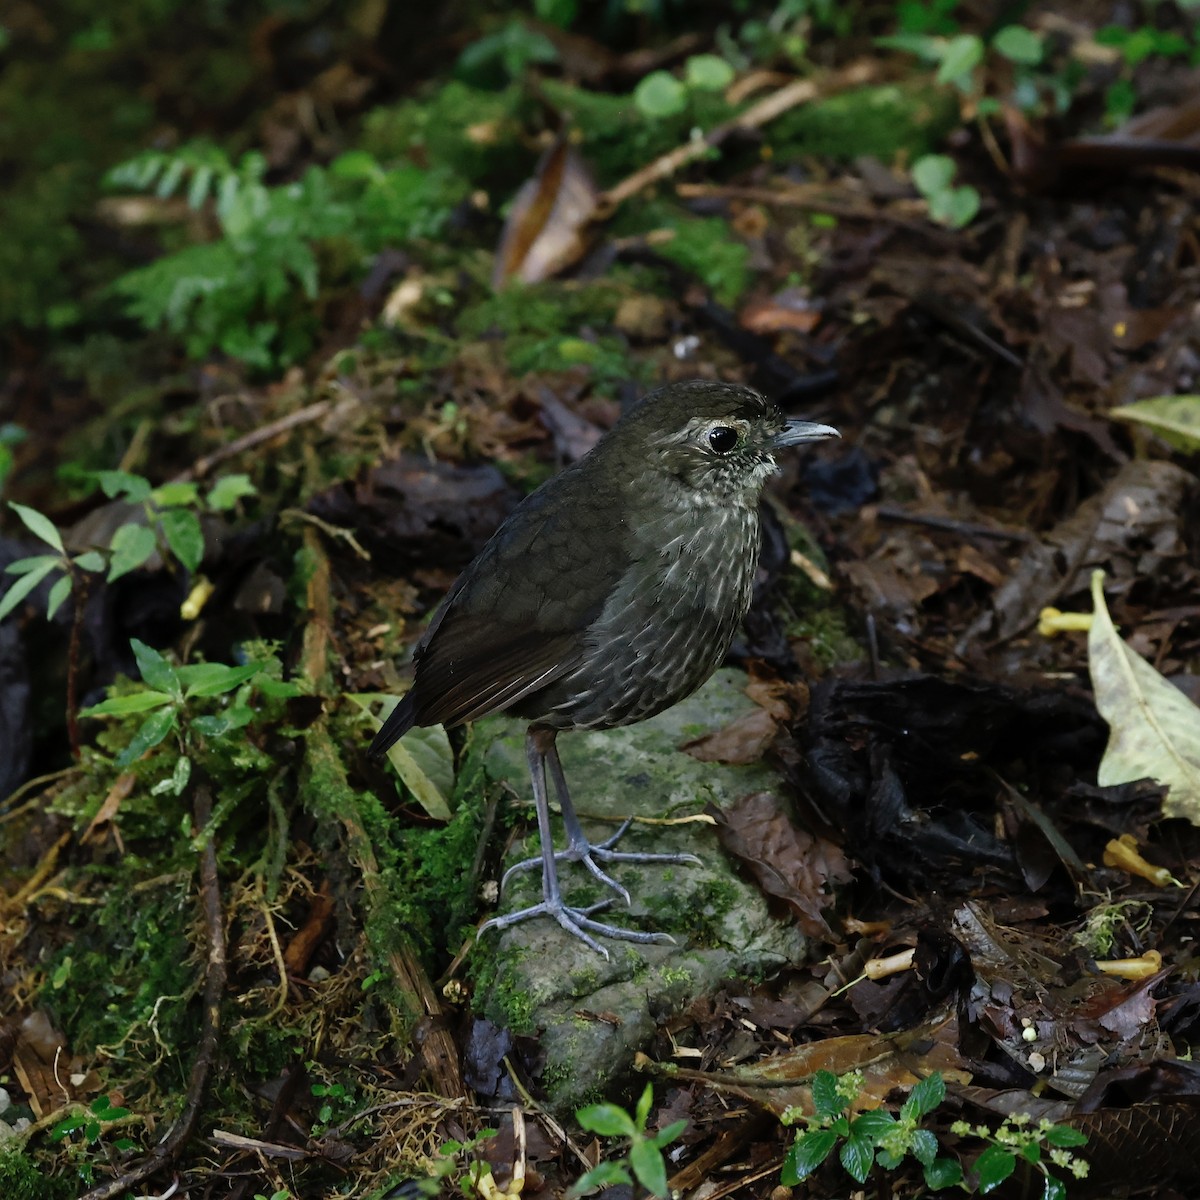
[(722, 439)]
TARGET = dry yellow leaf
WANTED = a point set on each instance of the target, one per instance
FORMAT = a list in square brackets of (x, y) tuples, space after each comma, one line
[(423, 759), (1176, 419), (1154, 729)]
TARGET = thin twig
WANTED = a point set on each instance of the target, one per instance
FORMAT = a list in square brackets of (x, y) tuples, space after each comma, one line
[(264, 433), (968, 529), (168, 1150), (819, 197), (775, 105), (8, 811)]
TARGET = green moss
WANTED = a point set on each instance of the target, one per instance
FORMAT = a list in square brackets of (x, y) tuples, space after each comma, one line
[(476, 133), (127, 965), (825, 626), (556, 1075), (881, 121), (703, 246), (508, 1005), (540, 309), (585, 981), (617, 137), (697, 914), (22, 1179), (425, 895), (676, 976)]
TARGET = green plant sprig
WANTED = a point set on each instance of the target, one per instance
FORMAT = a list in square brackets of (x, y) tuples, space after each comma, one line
[(876, 1138), (166, 701), (643, 1157)]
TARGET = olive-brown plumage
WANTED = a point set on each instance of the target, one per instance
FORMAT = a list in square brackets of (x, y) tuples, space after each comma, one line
[(609, 594)]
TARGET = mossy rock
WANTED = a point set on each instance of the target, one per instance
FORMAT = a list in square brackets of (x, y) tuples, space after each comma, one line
[(535, 979)]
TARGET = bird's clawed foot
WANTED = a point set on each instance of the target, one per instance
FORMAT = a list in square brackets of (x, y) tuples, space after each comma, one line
[(580, 850), (576, 921)]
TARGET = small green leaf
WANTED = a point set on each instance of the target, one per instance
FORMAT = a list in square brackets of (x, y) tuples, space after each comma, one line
[(943, 1173), (660, 94), (993, 1167), (197, 193), (67, 1125), (228, 490), (176, 494), (132, 546), (955, 207), (1119, 101), (927, 49), (1054, 1189), (181, 528), (641, 1112), (607, 1120), (1019, 45), (603, 1175), (155, 669), (357, 165), (1064, 1135), (214, 679), (90, 560), (857, 1155), (825, 1096), (39, 562), (648, 1167), (174, 784), (962, 55), (1176, 419), (665, 1136), (708, 73), (423, 759), (155, 727), (933, 173), (277, 688), (808, 1152), (218, 726), (121, 483), (874, 1125), (122, 706), (924, 1146), (58, 595), (925, 1097), (23, 586), (37, 524)]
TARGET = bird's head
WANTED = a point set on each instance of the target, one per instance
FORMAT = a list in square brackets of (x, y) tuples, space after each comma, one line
[(717, 440)]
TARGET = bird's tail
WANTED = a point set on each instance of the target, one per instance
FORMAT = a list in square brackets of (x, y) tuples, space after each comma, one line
[(399, 721)]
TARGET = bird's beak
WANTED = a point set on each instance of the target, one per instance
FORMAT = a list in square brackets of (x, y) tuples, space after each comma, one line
[(797, 432)]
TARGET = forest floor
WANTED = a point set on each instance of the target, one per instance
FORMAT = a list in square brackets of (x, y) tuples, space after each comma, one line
[(238, 958)]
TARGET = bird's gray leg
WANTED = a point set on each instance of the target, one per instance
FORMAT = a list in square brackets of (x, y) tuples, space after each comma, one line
[(579, 849), (539, 748)]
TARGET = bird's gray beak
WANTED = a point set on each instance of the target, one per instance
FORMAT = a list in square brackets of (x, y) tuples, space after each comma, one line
[(804, 431)]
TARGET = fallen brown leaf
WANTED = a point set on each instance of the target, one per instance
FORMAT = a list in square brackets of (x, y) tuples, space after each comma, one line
[(789, 863)]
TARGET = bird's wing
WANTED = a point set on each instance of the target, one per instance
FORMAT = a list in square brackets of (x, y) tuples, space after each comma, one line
[(516, 619)]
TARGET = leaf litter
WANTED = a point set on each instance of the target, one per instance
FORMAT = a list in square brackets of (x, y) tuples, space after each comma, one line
[(957, 798)]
